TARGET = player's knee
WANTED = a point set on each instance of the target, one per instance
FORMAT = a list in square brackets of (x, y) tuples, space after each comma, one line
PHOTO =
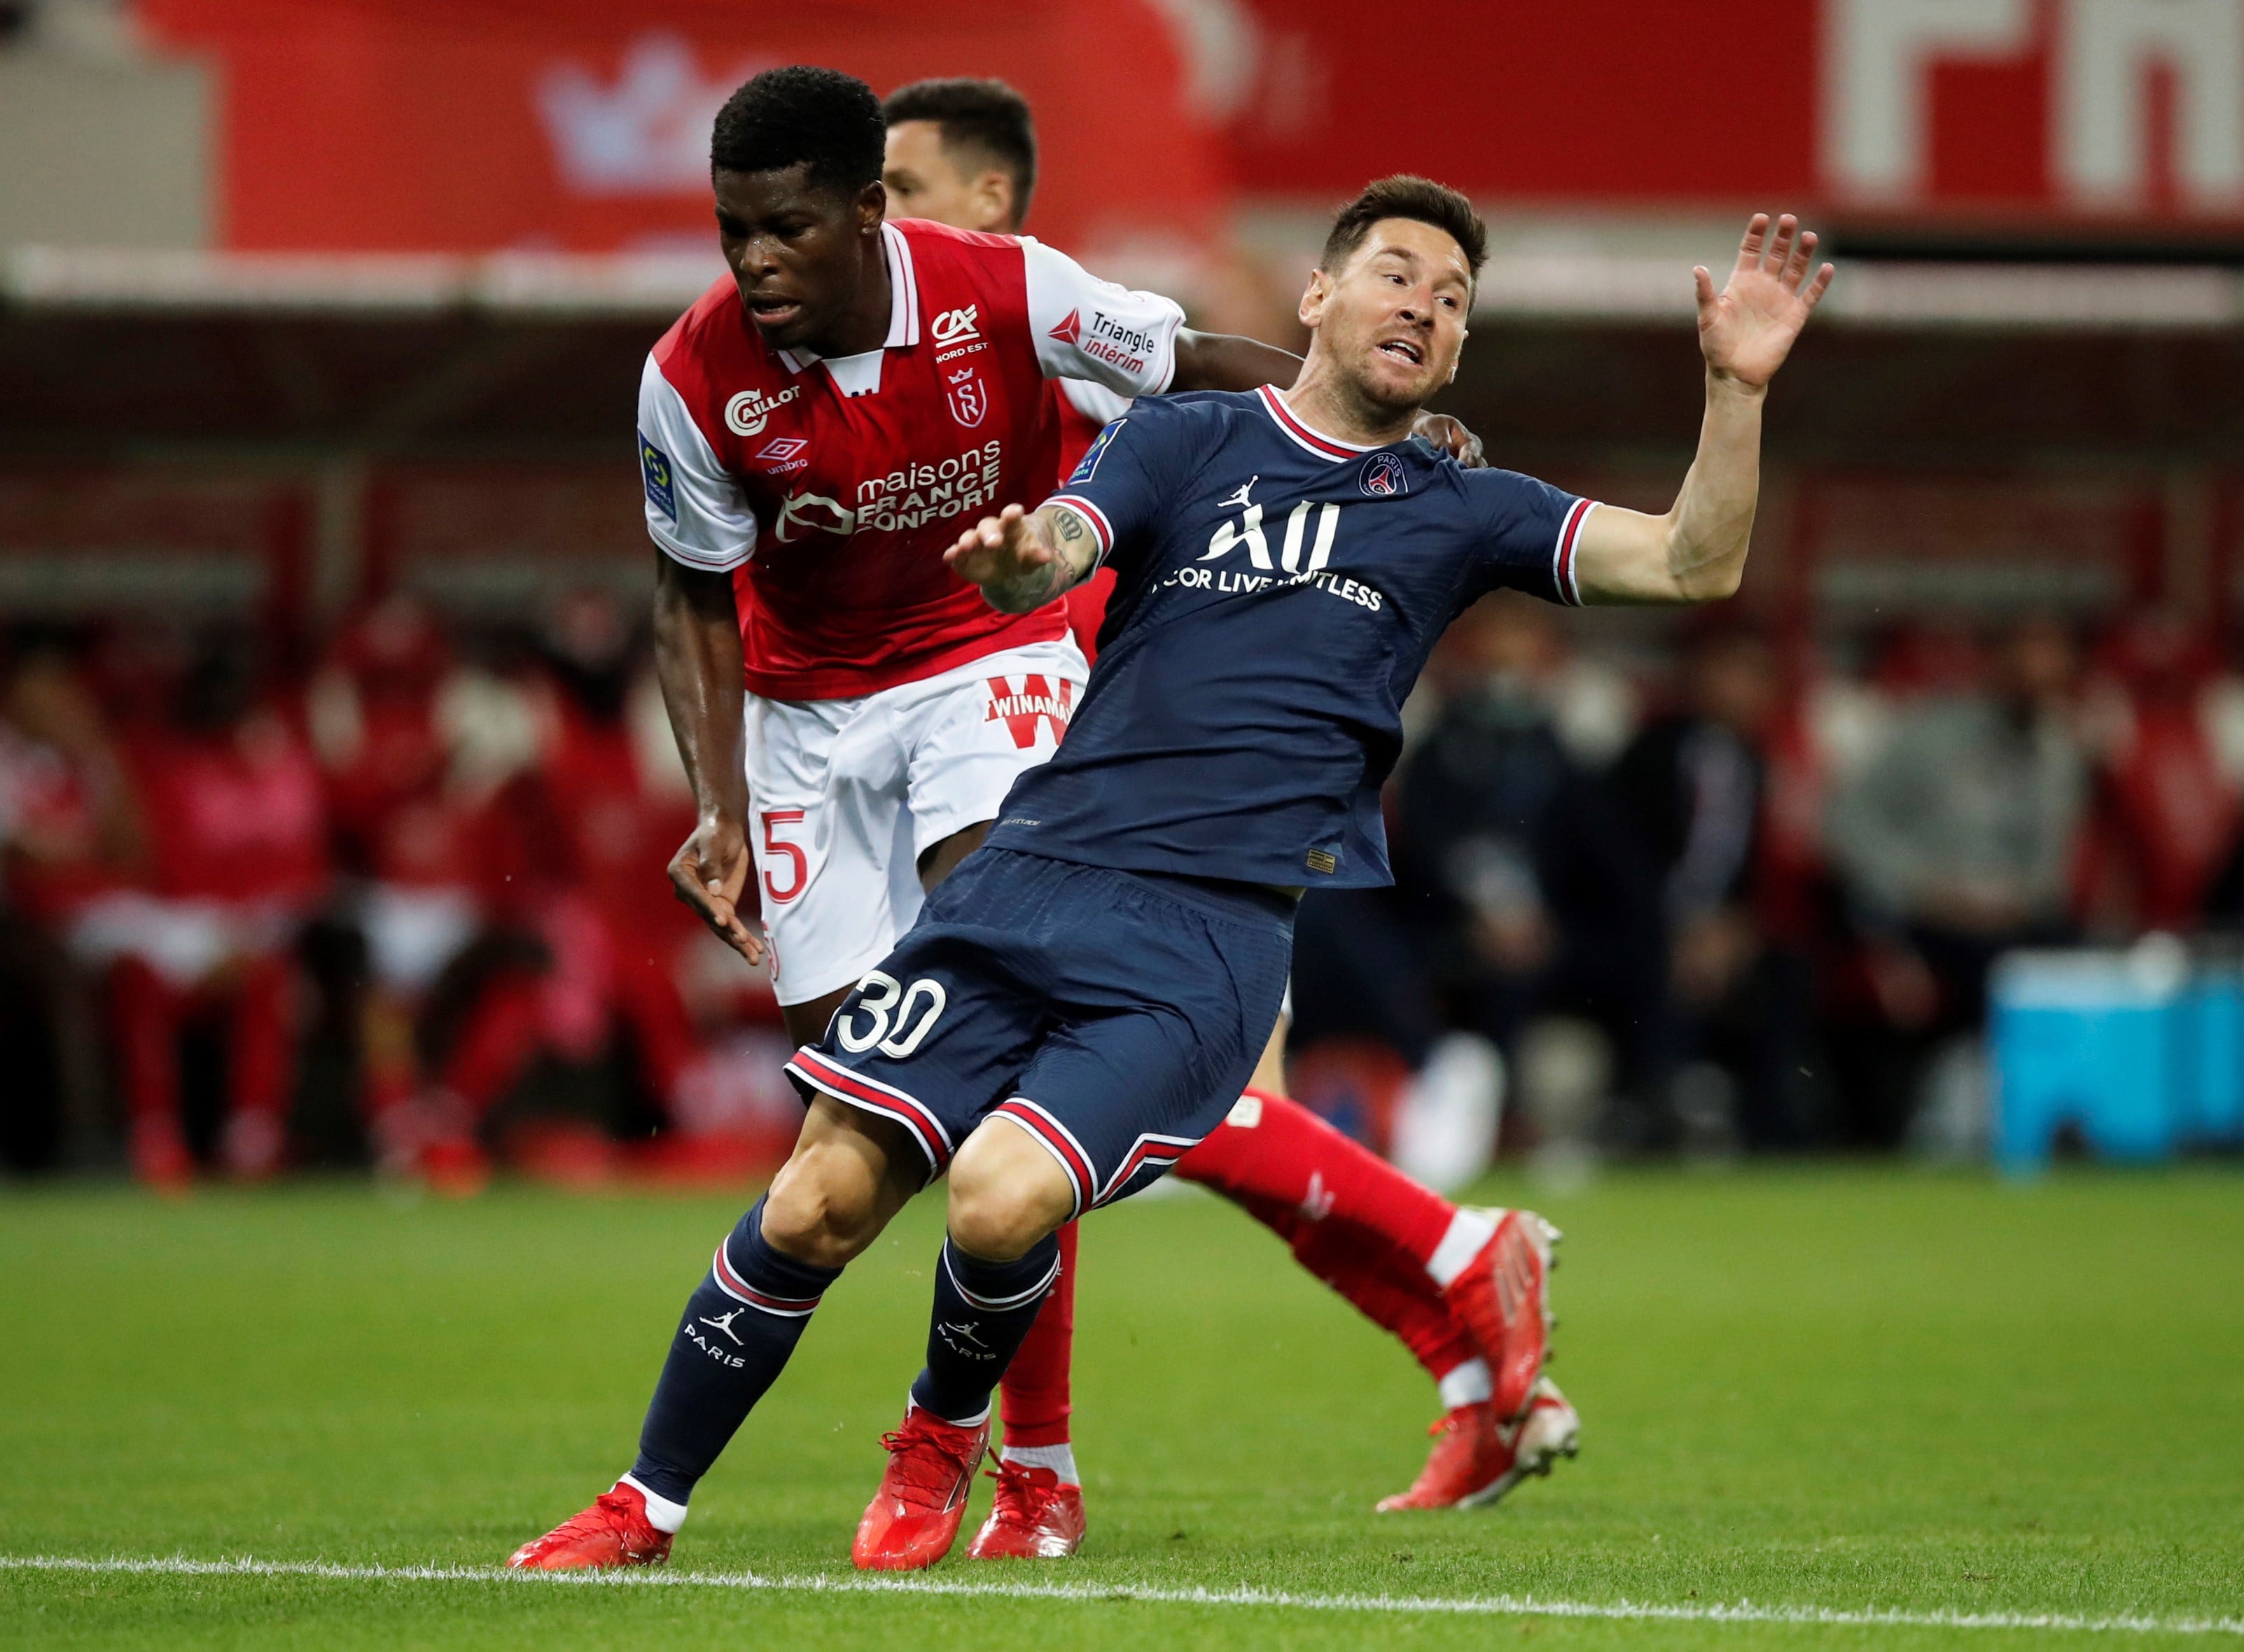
[(1006, 1193), (816, 1215)]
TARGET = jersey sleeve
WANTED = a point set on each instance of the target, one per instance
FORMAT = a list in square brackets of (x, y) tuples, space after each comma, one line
[(1121, 482), (1088, 328), (1094, 402), (1528, 533), (695, 509)]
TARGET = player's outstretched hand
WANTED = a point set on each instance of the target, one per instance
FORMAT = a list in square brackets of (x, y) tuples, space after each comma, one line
[(997, 549), (1746, 330), (710, 873)]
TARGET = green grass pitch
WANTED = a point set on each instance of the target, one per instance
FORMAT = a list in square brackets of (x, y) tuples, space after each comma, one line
[(1836, 1390)]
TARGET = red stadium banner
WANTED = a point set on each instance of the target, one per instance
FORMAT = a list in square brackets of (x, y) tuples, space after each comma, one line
[(470, 125), (2035, 110), (476, 124)]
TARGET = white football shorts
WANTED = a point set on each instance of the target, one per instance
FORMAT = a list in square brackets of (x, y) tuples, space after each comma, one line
[(844, 796)]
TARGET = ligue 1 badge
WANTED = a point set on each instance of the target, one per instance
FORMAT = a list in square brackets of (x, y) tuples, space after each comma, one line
[(1382, 475), (1087, 467)]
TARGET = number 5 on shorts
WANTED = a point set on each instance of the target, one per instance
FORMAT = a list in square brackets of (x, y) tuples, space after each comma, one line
[(775, 846)]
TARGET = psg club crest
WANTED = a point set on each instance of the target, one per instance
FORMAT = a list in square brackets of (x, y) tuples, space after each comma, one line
[(970, 402), (1382, 475)]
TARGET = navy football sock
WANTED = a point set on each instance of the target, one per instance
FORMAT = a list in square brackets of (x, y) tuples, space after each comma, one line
[(982, 1311), (739, 1329)]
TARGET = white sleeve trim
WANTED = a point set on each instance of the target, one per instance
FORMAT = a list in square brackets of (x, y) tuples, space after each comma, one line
[(695, 509), (1086, 328), (1101, 529), (1563, 550)]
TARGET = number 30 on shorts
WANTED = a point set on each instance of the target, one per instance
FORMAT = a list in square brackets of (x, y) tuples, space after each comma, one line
[(886, 1002)]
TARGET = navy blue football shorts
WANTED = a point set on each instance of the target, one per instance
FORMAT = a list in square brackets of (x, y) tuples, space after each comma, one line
[(1113, 1015)]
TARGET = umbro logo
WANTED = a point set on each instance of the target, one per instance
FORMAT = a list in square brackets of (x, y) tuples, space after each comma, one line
[(782, 454)]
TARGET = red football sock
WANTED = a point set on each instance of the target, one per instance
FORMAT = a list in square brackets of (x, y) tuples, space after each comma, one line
[(1350, 1217), (1032, 1400)]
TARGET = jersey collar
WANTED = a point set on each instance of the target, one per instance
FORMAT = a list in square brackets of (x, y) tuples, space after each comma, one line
[(903, 310), (1304, 434)]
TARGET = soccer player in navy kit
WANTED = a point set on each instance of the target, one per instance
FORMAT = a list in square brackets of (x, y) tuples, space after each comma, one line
[(963, 152), (1083, 998)]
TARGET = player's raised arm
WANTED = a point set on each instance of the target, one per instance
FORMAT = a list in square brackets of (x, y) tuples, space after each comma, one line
[(1021, 561), (1229, 362), (1696, 552)]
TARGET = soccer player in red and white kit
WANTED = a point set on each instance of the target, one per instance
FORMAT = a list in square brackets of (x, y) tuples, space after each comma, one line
[(963, 152), (814, 434)]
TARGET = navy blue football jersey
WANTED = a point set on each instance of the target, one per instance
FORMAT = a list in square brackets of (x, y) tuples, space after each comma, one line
[(1277, 593)]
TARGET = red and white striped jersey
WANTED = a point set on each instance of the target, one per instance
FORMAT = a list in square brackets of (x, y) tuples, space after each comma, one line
[(830, 488)]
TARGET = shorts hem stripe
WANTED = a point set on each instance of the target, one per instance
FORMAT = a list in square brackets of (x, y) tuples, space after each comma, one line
[(1165, 1150), (1053, 1136), (857, 1091)]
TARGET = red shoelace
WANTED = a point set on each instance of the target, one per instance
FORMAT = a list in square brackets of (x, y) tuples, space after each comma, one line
[(930, 1461), (1021, 1494)]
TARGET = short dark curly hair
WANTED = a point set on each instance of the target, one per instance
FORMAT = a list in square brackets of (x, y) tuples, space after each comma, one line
[(1408, 195), (798, 116), (987, 118)]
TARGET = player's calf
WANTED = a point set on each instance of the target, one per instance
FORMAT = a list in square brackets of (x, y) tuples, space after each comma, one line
[(849, 1174)]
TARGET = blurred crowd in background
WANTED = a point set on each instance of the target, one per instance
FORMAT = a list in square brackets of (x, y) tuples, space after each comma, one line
[(1665, 892)]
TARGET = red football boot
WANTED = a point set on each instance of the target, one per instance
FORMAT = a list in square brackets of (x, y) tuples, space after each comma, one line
[(1502, 1297), (614, 1531), (913, 1519), (1477, 1457), (1033, 1518)]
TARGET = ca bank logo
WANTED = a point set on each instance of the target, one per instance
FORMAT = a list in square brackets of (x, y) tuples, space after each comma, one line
[(1382, 475), (748, 412), (954, 327)]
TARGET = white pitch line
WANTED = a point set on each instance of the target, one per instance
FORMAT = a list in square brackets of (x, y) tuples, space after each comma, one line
[(1486, 1606)]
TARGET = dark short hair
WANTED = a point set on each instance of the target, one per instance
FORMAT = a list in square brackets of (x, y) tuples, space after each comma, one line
[(987, 118), (798, 116), (1406, 196)]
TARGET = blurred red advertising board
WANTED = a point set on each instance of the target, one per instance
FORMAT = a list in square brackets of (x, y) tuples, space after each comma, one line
[(573, 125), (473, 125), (2051, 109)]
